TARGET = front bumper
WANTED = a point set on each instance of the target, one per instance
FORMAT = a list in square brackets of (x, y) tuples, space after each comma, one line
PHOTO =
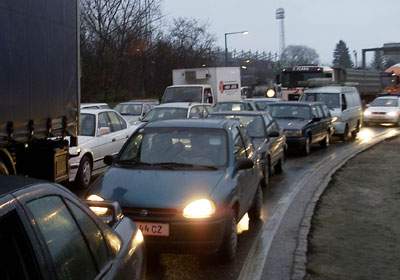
[(73, 167), (381, 119), (191, 237), (295, 142)]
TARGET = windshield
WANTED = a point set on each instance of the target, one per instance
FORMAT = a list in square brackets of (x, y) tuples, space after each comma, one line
[(254, 125), (284, 111), (332, 100), (165, 114), (87, 125), (298, 79), (230, 106), (385, 102), (129, 109), (182, 94), (188, 146)]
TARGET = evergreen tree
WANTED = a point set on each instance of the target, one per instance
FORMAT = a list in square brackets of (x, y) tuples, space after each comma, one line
[(378, 63), (341, 56)]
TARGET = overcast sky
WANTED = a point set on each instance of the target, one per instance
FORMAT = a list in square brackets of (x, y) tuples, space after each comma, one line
[(317, 23)]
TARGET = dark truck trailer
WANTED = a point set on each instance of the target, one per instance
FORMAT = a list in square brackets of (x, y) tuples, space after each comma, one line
[(39, 86)]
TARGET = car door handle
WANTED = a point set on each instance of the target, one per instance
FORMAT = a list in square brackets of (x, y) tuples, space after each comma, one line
[(114, 139)]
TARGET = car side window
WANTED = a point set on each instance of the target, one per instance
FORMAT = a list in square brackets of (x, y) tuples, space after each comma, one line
[(195, 112), (320, 113), (344, 102), (208, 96), (239, 147), (325, 109), (93, 235), (66, 245), (122, 121), (103, 120), (115, 123), (249, 107), (18, 260)]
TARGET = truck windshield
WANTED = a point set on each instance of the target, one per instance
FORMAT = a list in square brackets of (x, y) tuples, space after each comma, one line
[(189, 147), (182, 94), (285, 111), (129, 109), (166, 114), (332, 100), (87, 125)]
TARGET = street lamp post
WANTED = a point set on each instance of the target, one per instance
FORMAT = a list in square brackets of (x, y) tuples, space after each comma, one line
[(226, 42)]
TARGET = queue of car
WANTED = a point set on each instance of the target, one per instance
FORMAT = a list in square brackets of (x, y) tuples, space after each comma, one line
[(178, 178)]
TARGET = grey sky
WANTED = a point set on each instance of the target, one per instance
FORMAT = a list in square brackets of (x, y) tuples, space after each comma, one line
[(317, 23)]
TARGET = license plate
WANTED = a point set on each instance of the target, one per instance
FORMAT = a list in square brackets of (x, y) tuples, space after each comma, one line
[(153, 229)]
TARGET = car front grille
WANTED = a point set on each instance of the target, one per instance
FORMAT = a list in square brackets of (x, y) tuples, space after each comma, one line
[(378, 113), (149, 212)]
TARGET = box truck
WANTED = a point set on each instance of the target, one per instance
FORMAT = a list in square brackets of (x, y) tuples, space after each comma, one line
[(39, 87), (204, 85)]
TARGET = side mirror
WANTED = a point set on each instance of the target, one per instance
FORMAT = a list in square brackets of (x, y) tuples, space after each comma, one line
[(316, 119), (243, 164), (274, 134), (104, 131), (109, 212), (108, 160), (344, 107)]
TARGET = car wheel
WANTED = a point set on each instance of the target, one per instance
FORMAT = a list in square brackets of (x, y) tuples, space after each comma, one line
[(84, 175), (228, 249), (326, 141), (3, 169), (307, 148), (279, 166), (267, 174), (346, 135), (255, 210)]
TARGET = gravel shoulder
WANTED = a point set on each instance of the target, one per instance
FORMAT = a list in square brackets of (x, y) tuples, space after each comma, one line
[(355, 230)]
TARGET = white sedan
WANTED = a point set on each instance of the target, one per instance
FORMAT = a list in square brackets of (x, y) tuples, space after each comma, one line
[(102, 132), (383, 110)]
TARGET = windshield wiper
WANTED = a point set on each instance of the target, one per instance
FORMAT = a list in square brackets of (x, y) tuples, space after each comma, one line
[(183, 165), (133, 162)]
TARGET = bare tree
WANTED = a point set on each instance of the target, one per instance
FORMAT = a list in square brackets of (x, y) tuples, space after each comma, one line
[(299, 55)]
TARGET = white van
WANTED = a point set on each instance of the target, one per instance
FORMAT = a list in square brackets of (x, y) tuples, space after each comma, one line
[(344, 104)]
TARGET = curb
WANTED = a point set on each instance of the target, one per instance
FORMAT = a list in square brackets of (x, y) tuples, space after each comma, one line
[(300, 254)]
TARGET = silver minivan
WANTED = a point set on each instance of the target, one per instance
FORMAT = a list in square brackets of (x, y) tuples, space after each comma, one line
[(345, 106)]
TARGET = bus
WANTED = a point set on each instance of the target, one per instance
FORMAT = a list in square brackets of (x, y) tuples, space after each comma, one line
[(294, 80)]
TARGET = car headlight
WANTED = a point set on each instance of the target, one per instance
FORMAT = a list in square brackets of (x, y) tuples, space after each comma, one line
[(335, 119), (367, 113), (99, 211), (293, 133), (270, 93), (74, 151), (199, 209), (393, 114)]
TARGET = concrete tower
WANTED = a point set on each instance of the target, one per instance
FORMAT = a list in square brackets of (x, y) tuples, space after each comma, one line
[(280, 17)]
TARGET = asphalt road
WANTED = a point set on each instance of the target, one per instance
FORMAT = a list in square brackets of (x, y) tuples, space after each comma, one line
[(266, 250)]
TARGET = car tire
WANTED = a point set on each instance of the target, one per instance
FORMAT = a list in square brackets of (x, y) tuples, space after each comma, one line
[(3, 168), (346, 135), (228, 249), (307, 147), (84, 175), (279, 166), (256, 207), (326, 141)]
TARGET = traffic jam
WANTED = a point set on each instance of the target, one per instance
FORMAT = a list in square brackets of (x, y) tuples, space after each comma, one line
[(195, 184)]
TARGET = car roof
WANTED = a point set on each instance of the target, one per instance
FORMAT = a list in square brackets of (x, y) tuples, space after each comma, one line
[(11, 184), (264, 99), (240, 113), (93, 104), (96, 111), (330, 89), (178, 105), (233, 101), (192, 123), (302, 103)]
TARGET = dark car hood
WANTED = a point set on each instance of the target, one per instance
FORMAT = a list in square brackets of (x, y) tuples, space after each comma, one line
[(156, 188), (292, 123)]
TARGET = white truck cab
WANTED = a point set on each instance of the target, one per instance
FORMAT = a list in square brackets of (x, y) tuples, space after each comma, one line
[(204, 85)]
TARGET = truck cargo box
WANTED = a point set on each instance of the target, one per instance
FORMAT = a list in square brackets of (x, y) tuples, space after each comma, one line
[(39, 72)]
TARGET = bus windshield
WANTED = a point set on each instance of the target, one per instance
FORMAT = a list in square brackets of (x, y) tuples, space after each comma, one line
[(298, 79)]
